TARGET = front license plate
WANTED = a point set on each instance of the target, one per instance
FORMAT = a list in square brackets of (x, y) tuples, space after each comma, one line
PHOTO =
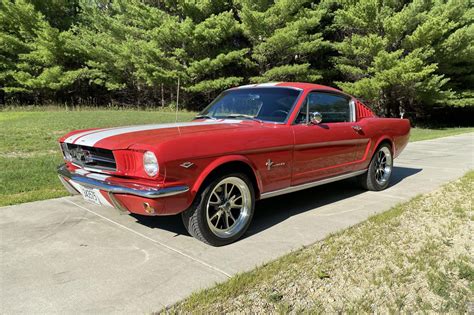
[(90, 195)]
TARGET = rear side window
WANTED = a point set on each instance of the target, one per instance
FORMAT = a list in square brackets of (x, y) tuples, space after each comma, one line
[(333, 107)]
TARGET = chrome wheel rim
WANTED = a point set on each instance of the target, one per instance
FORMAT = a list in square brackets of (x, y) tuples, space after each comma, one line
[(228, 207), (383, 165)]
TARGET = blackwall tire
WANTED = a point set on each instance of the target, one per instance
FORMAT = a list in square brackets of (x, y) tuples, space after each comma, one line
[(222, 211), (380, 170)]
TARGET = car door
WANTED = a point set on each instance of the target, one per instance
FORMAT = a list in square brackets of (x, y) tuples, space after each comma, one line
[(331, 147)]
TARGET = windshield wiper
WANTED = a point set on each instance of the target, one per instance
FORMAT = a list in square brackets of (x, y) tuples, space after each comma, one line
[(205, 116), (243, 116)]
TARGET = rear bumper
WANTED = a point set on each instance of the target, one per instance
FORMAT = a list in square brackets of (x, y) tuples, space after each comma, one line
[(128, 196)]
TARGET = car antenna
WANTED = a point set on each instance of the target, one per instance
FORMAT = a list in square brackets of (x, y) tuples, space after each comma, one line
[(177, 105)]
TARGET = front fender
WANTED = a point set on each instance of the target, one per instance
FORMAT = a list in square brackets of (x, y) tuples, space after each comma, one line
[(221, 161)]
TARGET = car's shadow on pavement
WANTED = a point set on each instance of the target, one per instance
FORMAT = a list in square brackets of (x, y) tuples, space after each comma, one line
[(272, 211)]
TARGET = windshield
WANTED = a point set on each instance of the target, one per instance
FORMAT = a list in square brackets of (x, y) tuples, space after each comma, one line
[(266, 104)]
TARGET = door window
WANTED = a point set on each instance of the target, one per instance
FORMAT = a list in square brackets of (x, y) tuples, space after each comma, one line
[(333, 107)]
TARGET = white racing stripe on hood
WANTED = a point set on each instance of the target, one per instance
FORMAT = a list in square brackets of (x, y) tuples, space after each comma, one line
[(268, 84), (121, 130), (258, 85), (90, 138)]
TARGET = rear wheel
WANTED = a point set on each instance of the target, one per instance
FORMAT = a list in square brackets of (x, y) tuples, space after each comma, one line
[(222, 211), (380, 168)]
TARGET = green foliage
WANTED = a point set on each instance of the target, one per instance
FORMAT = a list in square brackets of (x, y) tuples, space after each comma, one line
[(406, 56), (393, 54), (299, 72), (286, 38), (30, 155)]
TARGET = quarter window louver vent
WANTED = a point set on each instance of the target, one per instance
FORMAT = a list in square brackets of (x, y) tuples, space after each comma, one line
[(363, 111)]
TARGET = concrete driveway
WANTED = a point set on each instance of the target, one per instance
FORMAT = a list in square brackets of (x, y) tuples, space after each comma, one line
[(68, 256)]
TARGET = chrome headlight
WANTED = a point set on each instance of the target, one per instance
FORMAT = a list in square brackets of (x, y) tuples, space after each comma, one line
[(150, 163), (67, 155)]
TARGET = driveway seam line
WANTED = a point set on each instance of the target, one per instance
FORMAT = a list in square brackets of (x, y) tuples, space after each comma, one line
[(154, 241), (391, 196)]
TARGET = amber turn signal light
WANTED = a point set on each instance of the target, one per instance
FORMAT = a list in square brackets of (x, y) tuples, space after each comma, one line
[(148, 209)]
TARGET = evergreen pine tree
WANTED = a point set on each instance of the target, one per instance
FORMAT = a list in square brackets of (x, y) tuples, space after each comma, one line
[(286, 38), (391, 54)]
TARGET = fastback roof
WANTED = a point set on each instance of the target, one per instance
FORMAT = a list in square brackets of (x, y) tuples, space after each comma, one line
[(298, 85)]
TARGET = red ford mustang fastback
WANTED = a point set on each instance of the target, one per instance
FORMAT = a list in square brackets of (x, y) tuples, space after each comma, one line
[(252, 142)]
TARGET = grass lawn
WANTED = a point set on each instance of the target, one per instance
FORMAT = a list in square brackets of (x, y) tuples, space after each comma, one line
[(417, 256), (30, 153), (418, 134)]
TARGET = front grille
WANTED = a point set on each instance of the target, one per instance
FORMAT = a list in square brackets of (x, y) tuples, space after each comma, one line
[(90, 157)]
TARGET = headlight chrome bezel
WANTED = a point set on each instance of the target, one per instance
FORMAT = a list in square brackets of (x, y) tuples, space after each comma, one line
[(150, 164), (66, 154)]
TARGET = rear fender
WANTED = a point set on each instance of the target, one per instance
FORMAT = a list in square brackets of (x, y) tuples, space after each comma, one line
[(384, 139)]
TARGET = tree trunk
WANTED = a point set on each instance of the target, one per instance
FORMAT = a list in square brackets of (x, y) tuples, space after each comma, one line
[(2, 97), (162, 96)]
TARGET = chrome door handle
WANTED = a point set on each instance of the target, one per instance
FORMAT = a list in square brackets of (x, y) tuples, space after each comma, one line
[(357, 128)]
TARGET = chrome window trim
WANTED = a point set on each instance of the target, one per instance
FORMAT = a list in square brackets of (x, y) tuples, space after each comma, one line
[(353, 110), (267, 87), (338, 93)]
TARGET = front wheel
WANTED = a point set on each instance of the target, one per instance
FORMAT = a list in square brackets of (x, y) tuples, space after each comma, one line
[(222, 211), (380, 168)]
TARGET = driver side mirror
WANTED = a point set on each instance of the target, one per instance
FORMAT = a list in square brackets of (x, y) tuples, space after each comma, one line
[(315, 118)]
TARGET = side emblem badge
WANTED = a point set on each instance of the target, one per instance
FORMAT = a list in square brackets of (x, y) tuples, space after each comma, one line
[(187, 164), (271, 164)]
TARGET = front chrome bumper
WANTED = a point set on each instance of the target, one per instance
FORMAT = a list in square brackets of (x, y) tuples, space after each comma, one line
[(114, 188)]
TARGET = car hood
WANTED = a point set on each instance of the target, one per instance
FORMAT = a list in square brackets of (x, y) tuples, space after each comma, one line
[(126, 137)]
